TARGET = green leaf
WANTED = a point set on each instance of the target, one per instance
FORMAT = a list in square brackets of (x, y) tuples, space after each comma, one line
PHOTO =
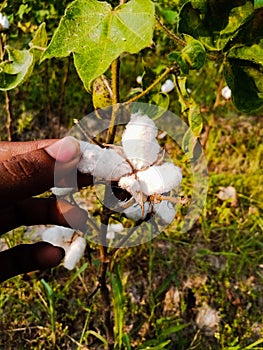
[(39, 42), (214, 22), (96, 34), (246, 83), (258, 3), (16, 68), (192, 56), (162, 101)]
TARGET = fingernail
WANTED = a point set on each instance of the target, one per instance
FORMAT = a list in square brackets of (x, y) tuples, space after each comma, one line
[(64, 150)]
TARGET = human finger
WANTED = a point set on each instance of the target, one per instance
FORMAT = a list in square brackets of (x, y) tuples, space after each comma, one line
[(29, 257), (12, 149), (38, 211), (32, 173)]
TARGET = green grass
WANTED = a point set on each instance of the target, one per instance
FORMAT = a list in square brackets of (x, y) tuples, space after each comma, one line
[(157, 288)]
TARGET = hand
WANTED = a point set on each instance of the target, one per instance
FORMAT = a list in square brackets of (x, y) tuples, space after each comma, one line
[(27, 170)]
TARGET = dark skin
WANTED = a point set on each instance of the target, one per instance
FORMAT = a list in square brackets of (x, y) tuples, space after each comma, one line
[(27, 170)]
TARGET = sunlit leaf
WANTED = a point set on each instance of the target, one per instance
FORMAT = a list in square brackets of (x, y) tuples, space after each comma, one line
[(101, 93), (96, 34), (16, 69), (192, 56)]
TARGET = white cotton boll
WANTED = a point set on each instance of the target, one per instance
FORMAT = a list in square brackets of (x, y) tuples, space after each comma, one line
[(75, 253), (160, 178), (134, 212), (141, 153), (140, 127), (118, 228), (226, 93), (4, 21), (165, 211), (59, 191), (139, 79), (130, 184), (90, 156), (112, 229), (58, 236), (139, 141), (167, 86), (103, 163)]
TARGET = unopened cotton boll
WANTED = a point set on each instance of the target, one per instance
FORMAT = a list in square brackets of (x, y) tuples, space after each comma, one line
[(75, 253), (165, 211), (160, 178), (139, 141), (168, 86)]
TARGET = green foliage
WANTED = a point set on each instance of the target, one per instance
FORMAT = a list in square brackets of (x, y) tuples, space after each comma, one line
[(19, 64), (127, 28)]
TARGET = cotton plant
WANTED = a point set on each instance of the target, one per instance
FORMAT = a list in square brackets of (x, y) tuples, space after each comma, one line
[(139, 168)]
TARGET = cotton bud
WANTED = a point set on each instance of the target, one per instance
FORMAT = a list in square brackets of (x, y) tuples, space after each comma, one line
[(68, 239), (139, 141), (160, 178), (165, 211), (226, 93), (4, 23), (102, 163), (168, 86)]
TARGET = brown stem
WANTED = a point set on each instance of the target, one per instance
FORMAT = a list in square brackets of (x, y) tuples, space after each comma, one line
[(115, 67), (173, 36), (9, 120), (62, 95), (48, 108)]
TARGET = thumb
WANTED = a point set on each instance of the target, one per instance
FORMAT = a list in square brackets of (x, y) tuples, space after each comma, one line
[(32, 173)]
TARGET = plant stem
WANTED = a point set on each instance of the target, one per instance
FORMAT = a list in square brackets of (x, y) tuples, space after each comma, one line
[(115, 67), (62, 95), (9, 120), (173, 36), (149, 88)]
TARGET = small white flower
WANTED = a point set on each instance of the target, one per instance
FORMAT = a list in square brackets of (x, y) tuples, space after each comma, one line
[(167, 86), (68, 239), (4, 21), (226, 93)]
